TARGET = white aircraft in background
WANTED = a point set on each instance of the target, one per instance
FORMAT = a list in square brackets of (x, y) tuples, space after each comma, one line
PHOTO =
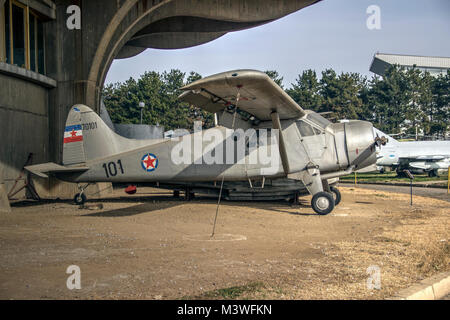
[(416, 156)]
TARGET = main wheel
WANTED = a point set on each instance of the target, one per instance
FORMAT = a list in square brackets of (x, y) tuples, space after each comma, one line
[(79, 199), (337, 195), (432, 173), (323, 203)]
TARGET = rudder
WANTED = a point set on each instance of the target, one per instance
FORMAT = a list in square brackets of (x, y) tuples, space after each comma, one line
[(87, 137), (73, 150)]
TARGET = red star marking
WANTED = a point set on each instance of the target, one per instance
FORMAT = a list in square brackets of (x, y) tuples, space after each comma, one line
[(149, 162), (73, 133)]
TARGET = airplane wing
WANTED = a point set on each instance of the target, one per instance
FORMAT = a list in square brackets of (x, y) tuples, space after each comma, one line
[(423, 158), (259, 95), (41, 169)]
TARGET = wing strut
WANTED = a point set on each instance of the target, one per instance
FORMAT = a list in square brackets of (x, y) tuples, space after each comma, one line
[(238, 96), (276, 124)]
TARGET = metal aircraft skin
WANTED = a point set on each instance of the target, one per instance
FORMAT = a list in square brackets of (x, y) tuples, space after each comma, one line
[(415, 156), (309, 148)]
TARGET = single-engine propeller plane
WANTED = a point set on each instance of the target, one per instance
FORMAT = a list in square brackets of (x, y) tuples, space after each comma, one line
[(260, 132)]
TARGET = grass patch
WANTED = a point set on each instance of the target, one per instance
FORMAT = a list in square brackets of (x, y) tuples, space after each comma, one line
[(229, 293), (435, 258), (389, 177)]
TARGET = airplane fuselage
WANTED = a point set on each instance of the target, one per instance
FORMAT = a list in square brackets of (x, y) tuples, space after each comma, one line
[(216, 153), (390, 154)]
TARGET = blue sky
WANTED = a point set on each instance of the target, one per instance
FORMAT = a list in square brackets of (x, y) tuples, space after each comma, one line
[(330, 34)]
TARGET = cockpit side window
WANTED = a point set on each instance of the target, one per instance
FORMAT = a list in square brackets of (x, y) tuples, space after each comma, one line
[(305, 128)]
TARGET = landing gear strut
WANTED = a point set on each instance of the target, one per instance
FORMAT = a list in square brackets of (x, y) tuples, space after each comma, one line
[(80, 198)]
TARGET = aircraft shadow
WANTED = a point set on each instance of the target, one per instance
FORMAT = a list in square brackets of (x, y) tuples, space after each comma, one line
[(165, 201), (277, 206), (149, 205), (32, 203)]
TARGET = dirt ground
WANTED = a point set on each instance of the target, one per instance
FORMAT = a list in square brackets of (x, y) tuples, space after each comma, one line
[(152, 246)]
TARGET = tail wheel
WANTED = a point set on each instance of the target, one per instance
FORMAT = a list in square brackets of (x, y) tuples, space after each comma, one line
[(323, 203), (79, 199), (337, 195)]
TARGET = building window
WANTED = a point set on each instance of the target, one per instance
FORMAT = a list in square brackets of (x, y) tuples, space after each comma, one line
[(18, 35), (23, 35), (40, 47), (33, 34)]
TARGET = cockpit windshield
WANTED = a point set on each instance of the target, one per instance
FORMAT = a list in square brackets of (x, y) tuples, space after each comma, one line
[(319, 120)]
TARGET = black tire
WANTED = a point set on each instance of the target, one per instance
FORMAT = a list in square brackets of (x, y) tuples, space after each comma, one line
[(401, 174), (189, 196), (79, 199), (337, 195), (323, 203), (432, 173)]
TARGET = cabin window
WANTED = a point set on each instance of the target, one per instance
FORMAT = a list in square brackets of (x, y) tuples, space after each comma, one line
[(305, 129)]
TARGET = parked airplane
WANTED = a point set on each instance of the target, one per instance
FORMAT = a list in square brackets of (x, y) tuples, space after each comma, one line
[(261, 133), (416, 156)]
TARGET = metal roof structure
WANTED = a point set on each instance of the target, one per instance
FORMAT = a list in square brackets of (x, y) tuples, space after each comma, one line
[(434, 65)]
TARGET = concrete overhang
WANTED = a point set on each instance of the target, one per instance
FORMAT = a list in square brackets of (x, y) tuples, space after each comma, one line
[(209, 21)]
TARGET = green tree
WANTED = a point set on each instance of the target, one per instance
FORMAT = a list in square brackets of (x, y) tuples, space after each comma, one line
[(341, 94), (401, 100), (275, 76), (439, 111), (306, 91), (160, 94), (390, 97)]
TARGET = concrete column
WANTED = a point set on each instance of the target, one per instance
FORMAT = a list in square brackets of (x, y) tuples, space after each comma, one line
[(4, 202)]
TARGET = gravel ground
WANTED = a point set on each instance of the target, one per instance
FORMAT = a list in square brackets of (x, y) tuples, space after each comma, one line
[(151, 246), (436, 193)]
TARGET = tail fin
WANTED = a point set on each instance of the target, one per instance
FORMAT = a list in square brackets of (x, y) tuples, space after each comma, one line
[(87, 137), (382, 134)]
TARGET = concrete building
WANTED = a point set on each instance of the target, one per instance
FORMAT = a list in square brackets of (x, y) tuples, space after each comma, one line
[(54, 54), (434, 65)]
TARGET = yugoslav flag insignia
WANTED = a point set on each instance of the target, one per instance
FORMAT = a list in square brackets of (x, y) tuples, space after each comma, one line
[(73, 134), (149, 162)]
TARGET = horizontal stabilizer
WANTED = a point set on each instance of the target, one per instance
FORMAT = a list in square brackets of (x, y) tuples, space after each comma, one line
[(41, 170)]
